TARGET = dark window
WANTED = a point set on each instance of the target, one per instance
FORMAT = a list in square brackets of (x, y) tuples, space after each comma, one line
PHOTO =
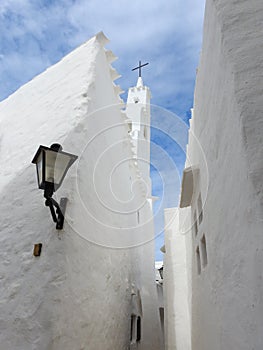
[(161, 314), (138, 337), (198, 261), (136, 329), (204, 251)]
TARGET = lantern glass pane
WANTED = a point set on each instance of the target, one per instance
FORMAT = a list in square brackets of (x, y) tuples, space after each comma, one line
[(57, 165), (40, 169)]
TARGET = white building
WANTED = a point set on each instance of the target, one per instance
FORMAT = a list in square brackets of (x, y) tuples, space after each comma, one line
[(93, 286), (215, 237), (160, 298)]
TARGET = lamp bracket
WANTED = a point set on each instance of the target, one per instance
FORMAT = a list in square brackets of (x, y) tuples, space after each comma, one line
[(58, 214)]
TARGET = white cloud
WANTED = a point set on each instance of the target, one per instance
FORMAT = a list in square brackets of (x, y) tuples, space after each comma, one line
[(149, 30)]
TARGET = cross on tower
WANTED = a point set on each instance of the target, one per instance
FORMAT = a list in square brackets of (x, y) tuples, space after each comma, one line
[(140, 67)]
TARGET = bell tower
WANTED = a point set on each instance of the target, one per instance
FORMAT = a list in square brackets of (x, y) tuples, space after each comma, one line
[(138, 113)]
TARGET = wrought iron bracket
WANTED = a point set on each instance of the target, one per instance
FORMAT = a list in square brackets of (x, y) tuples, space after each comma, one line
[(58, 214)]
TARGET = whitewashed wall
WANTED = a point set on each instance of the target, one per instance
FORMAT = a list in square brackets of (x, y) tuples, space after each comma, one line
[(77, 294), (176, 287), (227, 306)]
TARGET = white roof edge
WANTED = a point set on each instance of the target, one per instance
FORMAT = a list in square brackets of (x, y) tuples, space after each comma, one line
[(101, 37), (110, 56), (167, 210)]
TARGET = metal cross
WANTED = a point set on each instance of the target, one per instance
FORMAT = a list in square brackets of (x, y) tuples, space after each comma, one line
[(140, 67)]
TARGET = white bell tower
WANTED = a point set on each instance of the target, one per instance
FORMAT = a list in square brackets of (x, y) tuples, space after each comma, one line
[(138, 114)]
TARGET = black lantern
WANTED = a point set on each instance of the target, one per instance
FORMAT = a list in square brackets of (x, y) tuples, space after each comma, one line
[(52, 165)]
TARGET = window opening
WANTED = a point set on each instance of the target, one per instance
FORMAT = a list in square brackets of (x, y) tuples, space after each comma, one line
[(136, 329), (198, 261), (204, 251), (138, 336), (145, 132), (200, 208), (133, 329), (161, 314), (195, 224)]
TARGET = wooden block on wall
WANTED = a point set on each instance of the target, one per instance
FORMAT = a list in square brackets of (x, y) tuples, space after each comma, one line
[(37, 249)]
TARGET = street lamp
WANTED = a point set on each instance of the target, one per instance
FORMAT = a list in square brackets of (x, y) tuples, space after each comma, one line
[(52, 165)]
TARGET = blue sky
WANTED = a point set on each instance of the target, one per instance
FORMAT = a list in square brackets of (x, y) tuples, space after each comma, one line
[(36, 34)]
